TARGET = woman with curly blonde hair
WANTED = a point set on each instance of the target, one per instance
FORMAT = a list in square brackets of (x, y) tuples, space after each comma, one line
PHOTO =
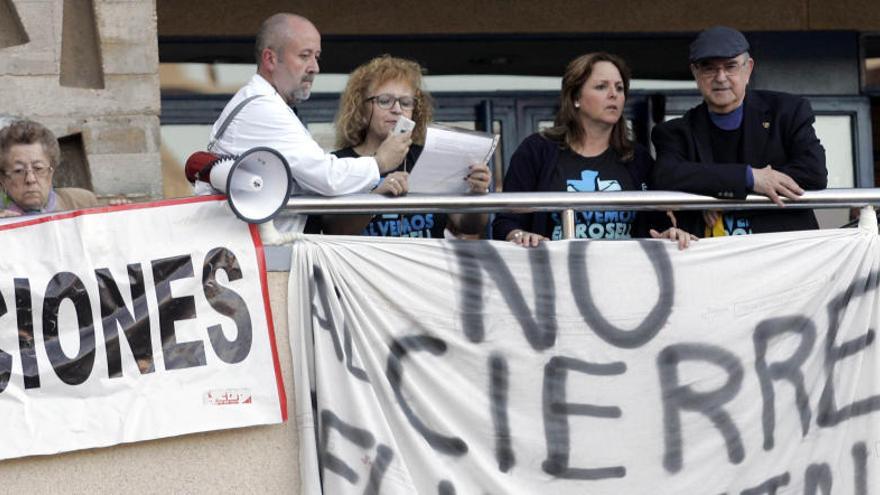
[(354, 117), (379, 93)]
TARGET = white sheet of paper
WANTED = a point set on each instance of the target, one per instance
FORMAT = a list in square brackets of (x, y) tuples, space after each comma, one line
[(443, 164)]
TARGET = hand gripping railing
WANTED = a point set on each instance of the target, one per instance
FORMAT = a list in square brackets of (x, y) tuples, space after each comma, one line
[(569, 202)]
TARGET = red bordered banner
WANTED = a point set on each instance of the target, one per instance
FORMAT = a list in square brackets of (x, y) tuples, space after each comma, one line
[(136, 322)]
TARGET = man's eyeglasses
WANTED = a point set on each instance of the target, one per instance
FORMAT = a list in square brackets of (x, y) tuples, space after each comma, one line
[(709, 71), (386, 101), (19, 174)]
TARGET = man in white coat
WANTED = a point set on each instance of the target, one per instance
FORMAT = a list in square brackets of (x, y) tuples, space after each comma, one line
[(288, 48)]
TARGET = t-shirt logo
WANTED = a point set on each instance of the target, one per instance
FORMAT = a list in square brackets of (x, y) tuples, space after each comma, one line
[(596, 224), (397, 225), (590, 182), (609, 185)]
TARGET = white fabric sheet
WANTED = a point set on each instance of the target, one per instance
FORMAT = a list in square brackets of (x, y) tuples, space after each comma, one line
[(602, 367)]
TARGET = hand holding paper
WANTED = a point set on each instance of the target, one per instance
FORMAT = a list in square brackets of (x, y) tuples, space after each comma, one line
[(478, 178)]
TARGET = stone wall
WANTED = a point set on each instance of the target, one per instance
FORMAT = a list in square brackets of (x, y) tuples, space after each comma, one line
[(88, 69)]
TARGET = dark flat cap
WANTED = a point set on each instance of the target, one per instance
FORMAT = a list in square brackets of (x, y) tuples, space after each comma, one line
[(718, 42)]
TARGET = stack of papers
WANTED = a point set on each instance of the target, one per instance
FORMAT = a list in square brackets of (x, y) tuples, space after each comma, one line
[(446, 158)]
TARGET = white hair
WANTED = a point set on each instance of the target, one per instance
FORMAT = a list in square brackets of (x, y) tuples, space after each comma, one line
[(6, 119)]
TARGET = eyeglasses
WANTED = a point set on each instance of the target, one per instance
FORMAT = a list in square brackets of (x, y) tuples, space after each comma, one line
[(19, 174), (386, 101), (709, 71)]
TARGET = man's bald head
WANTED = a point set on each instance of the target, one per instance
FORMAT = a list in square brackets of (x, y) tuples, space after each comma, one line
[(288, 49), (276, 31)]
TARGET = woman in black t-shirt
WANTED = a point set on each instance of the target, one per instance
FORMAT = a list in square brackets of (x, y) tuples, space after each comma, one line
[(378, 93), (589, 148)]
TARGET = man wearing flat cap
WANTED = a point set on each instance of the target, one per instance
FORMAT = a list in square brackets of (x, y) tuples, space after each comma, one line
[(737, 142)]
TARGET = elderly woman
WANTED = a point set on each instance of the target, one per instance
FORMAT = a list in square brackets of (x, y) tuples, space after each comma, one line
[(29, 155), (378, 93), (588, 149)]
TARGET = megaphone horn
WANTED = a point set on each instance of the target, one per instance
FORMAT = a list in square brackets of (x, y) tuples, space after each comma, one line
[(257, 183)]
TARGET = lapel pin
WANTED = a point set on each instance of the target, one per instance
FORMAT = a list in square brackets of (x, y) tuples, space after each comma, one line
[(766, 125)]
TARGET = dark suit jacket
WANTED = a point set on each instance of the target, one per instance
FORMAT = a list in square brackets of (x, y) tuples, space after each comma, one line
[(777, 130)]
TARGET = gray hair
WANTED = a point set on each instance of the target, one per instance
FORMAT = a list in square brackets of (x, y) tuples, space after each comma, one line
[(6, 119)]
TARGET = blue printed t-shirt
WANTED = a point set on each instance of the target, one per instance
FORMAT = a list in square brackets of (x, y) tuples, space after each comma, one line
[(727, 148), (402, 225), (605, 173)]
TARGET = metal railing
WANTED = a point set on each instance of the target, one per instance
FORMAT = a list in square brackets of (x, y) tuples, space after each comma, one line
[(569, 202), (558, 201)]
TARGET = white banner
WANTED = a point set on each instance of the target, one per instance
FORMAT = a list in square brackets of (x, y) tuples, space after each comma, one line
[(741, 365), (133, 323)]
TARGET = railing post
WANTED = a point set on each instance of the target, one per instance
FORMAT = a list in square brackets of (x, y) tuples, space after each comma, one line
[(568, 224)]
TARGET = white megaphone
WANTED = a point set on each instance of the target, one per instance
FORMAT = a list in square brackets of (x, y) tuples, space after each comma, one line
[(257, 183)]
